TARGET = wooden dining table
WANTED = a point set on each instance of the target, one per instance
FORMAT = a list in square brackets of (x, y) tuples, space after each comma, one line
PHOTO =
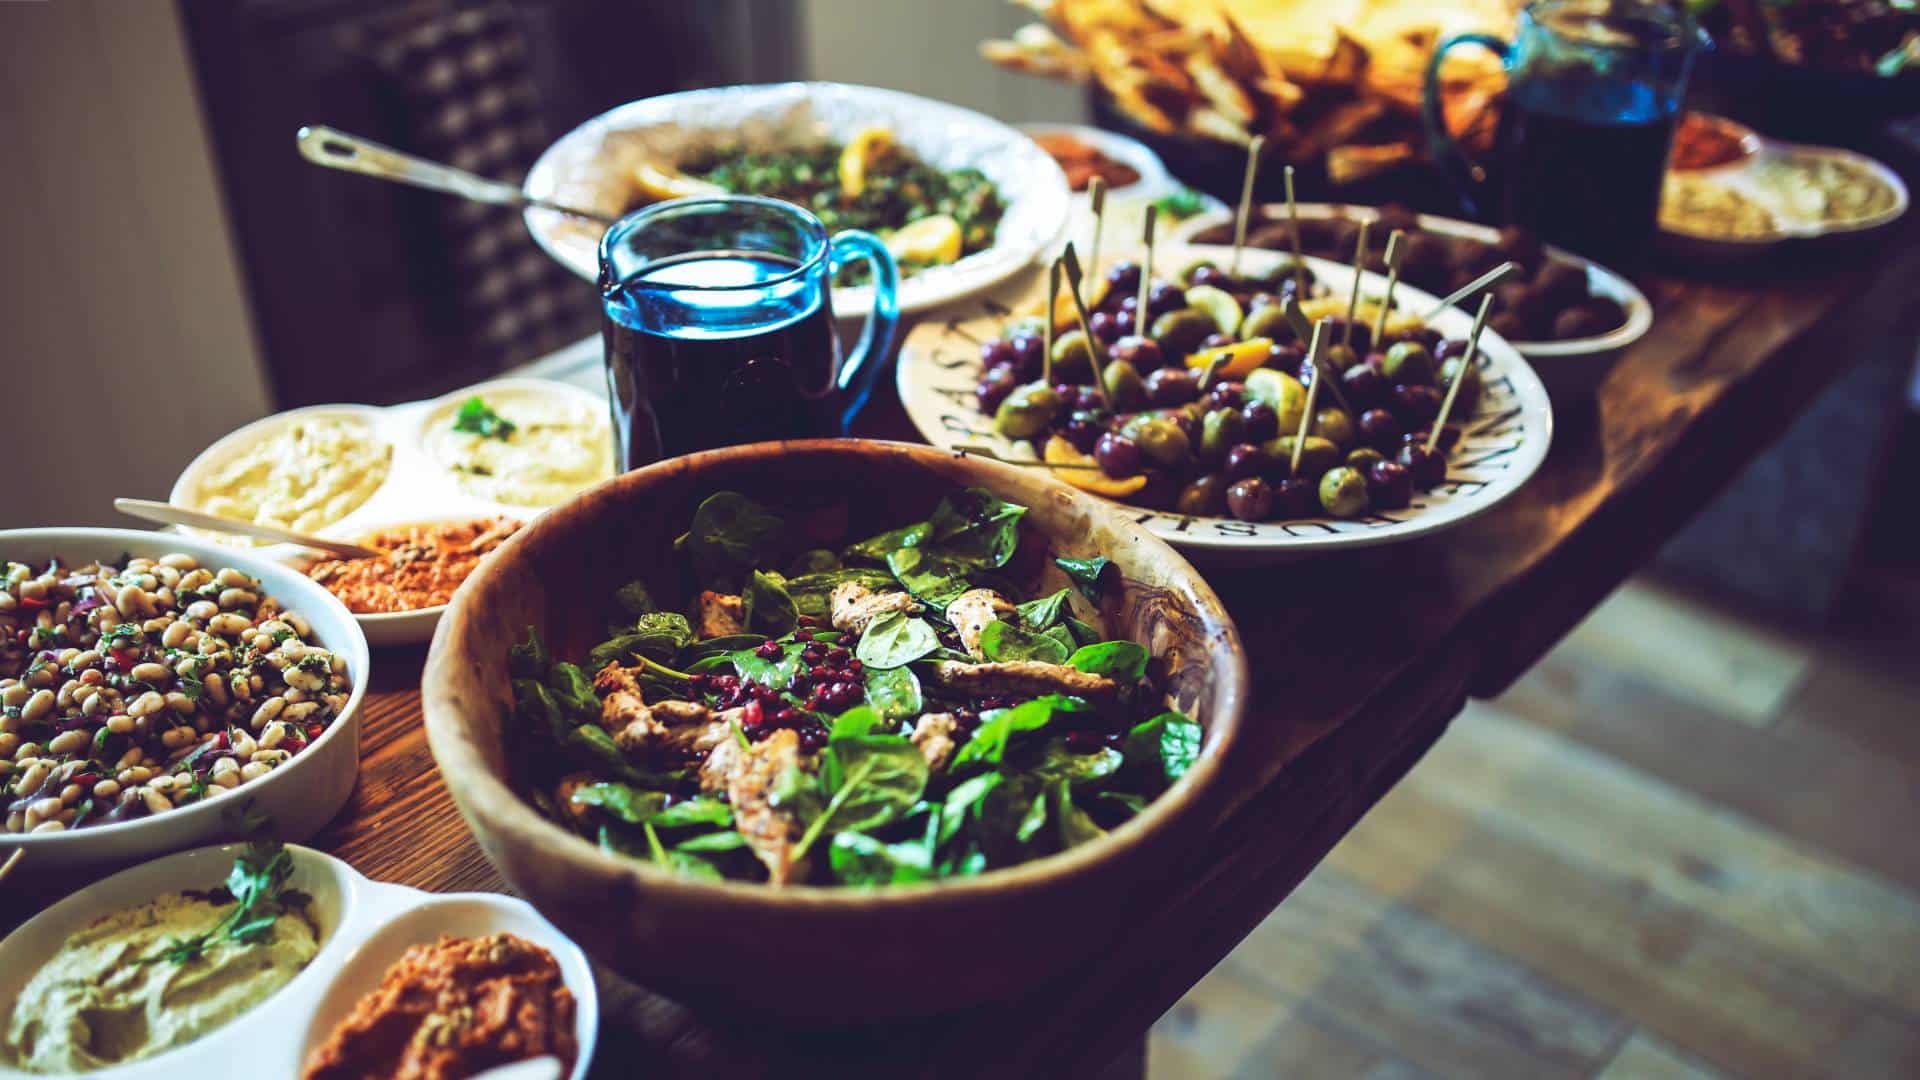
[(1360, 661)]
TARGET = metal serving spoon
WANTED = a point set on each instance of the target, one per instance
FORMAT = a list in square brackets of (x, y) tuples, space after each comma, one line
[(168, 514), (339, 150)]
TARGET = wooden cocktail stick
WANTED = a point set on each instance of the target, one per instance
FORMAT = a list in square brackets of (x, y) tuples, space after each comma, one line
[(1097, 200), (1353, 296), (1246, 202), (1046, 339), (1316, 353), (1293, 219), (1484, 281), (1393, 278), (1146, 274), (1466, 361), (1094, 349)]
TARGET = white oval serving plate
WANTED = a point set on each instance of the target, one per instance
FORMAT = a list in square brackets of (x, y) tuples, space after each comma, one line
[(364, 927), (1740, 176), (1500, 447), (298, 797), (417, 489), (588, 168)]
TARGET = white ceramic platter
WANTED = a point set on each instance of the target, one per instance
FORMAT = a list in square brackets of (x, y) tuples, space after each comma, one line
[(1500, 447), (589, 168), (418, 490), (298, 797), (1154, 178), (1793, 224), (364, 926), (1600, 280)]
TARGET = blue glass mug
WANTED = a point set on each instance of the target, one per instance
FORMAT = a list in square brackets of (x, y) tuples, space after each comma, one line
[(1594, 88), (718, 325)]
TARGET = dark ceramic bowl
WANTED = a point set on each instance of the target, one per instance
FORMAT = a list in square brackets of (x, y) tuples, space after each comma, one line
[(807, 953)]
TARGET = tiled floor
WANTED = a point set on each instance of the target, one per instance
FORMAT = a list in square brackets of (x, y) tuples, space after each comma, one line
[(1683, 846)]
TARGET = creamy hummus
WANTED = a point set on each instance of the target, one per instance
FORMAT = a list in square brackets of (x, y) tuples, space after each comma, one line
[(303, 475), (109, 996), (550, 447)]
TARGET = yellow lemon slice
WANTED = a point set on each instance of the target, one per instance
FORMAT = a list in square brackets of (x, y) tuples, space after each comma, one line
[(930, 241), (1398, 323), (1064, 316), (1219, 305), (662, 182), (1243, 357), (1061, 452), (861, 151)]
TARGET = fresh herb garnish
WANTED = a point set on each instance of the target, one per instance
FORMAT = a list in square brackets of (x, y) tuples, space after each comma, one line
[(258, 885), (476, 417)]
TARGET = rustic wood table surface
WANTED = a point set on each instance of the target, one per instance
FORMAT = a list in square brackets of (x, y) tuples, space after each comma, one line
[(1359, 665)]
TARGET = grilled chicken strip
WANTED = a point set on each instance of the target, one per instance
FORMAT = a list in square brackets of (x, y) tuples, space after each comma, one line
[(1021, 678), (970, 613), (644, 731), (721, 614), (933, 736), (750, 775), (854, 606)]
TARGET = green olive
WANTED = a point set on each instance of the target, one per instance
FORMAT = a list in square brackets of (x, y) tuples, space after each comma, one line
[(1163, 442), (1027, 411), (1186, 272), (1316, 457), (1340, 357), (1343, 492), (1072, 354), (1269, 322), (1219, 430), (1469, 398), (1408, 362), (1335, 426), (1363, 459), (1027, 325), (1281, 391), (1181, 332), (1204, 497), (1126, 391)]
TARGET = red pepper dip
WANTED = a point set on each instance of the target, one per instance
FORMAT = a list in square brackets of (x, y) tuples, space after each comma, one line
[(1702, 142), (452, 1009), (422, 567), (1082, 162)]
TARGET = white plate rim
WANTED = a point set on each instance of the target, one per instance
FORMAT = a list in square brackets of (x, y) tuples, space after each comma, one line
[(1798, 230), (1276, 539), (1049, 198), (1154, 176), (1601, 279)]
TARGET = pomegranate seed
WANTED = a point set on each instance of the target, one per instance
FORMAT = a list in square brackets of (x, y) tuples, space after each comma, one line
[(837, 656), (768, 650), (752, 716), (803, 635)]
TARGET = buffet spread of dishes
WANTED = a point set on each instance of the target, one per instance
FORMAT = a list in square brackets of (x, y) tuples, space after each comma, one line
[(897, 710)]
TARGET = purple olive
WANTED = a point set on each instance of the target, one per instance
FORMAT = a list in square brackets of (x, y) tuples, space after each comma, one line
[(1427, 467), (1227, 394), (1083, 430), (1142, 352), (997, 352), (1449, 348), (994, 387), (1028, 352), (1381, 430), (1389, 485), (1164, 297), (1107, 327), (1363, 385), (1172, 386), (1123, 277), (1209, 274), (1214, 341), (1118, 455), (1245, 460), (1262, 422), (1449, 436), (1416, 405), (1250, 499), (1297, 497)]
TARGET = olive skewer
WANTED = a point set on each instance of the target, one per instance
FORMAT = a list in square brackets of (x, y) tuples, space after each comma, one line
[(1146, 273), (1393, 278), (1485, 281), (1046, 331), (1460, 373), (1095, 348), (1298, 319), (1316, 353), (1097, 200), (1353, 296), (1293, 220), (1246, 202)]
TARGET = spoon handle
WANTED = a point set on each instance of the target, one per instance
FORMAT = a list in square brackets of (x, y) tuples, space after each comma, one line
[(339, 150), (169, 514)]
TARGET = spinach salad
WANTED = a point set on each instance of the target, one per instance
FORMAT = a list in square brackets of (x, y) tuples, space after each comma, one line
[(891, 710)]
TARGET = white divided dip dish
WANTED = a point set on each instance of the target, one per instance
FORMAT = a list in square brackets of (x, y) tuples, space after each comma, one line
[(364, 927), (421, 485)]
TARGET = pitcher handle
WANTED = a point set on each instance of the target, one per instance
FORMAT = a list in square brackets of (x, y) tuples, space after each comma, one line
[(1466, 173), (861, 369)]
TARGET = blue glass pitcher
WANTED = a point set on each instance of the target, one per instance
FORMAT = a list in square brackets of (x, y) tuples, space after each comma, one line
[(719, 330), (1593, 91)]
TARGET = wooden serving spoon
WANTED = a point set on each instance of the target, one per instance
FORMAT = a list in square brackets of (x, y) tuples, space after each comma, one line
[(168, 514)]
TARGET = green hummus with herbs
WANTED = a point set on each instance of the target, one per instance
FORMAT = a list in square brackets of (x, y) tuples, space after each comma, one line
[(160, 975)]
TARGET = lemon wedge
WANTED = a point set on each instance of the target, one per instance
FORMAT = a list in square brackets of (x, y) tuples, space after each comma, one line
[(662, 182), (1061, 452), (930, 241), (860, 152), (1065, 318), (1243, 357), (1219, 305)]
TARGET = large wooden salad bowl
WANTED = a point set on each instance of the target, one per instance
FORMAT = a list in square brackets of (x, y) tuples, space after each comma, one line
[(814, 953)]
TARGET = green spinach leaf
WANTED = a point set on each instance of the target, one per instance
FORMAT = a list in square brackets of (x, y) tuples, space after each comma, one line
[(730, 535), (858, 859), (1034, 820), (894, 693), (880, 777), (977, 528), (777, 673), (1004, 641), (817, 561), (1164, 746), (877, 548), (701, 810), (713, 842), (634, 599), (724, 645), (531, 659), (895, 639), (1086, 574), (1083, 634), (963, 800), (767, 604), (1042, 614), (989, 742), (635, 806), (658, 635), (1058, 761), (1125, 661), (812, 593), (855, 722), (1071, 823), (933, 579)]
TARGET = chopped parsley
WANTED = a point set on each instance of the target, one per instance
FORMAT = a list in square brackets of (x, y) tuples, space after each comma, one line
[(124, 634), (476, 417)]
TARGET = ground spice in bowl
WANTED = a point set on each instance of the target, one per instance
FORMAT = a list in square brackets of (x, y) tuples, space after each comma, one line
[(422, 567)]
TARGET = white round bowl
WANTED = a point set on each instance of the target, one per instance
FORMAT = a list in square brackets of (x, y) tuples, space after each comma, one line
[(298, 797), (364, 927), (588, 168)]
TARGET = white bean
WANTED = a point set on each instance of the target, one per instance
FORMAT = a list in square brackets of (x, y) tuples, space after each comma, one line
[(202, 610), (9, 742), (68, 741), (176, 634), (254, 770), (49, 826), (179, 560), (120, 725), (15, 694), (274, 735), (146, 703), (156, 802), (242, 743), (227, 624), (37, 707), (106, 789), (151, 673), (216, 688), (175, 738), (237, 598), (31, 780), (268, 709)]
